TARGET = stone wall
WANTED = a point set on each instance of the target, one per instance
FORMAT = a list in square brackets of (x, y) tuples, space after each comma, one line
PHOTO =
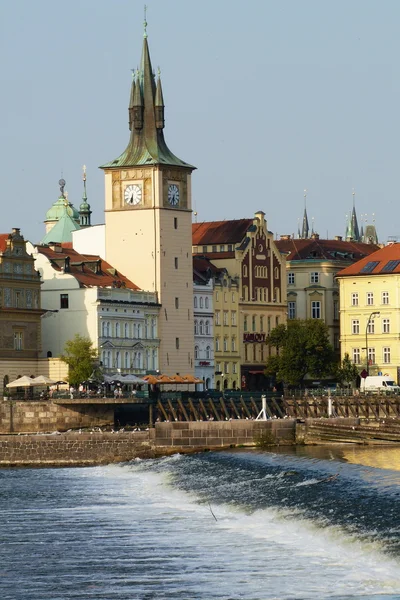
[(30, 417)]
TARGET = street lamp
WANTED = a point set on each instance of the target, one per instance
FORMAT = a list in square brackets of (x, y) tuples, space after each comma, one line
[(371, 316)]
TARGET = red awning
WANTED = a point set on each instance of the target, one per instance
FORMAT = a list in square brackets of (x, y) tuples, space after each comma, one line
[(255, 372)]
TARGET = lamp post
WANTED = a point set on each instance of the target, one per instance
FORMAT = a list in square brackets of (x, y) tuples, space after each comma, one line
[(371, 316)]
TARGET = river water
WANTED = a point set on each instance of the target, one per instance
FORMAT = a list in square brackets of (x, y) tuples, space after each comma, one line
[(308, 523)]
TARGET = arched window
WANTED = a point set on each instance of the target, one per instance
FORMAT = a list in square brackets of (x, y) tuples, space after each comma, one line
[(148, 357), (206, 302), (108, 330), (139, 330), (208, 383), (207, 328), (234, 385), (155, 364), (201, 301), (118, 359), (139, 360), (218, 385), (117, 330), (196, 352), (225, 344), (208, 352), (104, 328), (233, 346), (135, 335), (146, 329), (196, 328), (245, 293), (217, 344), (225, 384), (127, 361), (126, 330), (245, 271), (153, 328), (276, 295), (195, 302), (201, 328)]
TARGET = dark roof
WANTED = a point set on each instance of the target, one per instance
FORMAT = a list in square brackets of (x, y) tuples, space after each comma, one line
[(220, 232), (88, 269), (317, 249), (382, 262), (203, 269)]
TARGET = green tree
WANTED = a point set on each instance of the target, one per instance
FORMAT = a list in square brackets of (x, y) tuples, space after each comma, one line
[(347, 371), (302, 348), (80, 357)]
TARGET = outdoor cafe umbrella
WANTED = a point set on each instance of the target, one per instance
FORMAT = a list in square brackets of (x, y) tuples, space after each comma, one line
[(42, 380), (24, 381)]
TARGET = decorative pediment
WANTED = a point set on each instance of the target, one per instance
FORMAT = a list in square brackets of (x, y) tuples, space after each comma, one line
[(292, 294), (107, 344), (138, 346)]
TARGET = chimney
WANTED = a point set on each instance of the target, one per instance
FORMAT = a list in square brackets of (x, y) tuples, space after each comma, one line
[(338, 238), (315, 236), (286, 236)]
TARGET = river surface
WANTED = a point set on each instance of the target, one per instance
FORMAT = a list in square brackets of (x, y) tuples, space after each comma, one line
[(306, 524)]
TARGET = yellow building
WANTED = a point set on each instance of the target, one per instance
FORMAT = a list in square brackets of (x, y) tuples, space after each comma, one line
[(226, 332), (247, 251), (370, 312), (148, 210), (312, 289)]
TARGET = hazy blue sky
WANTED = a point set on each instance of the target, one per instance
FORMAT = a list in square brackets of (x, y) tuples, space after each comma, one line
[(265, 97)]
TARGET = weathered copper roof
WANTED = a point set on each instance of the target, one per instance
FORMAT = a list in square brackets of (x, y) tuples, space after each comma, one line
[(220, 232), (382, 262), (147, 145), (317, 249), (99, 274)]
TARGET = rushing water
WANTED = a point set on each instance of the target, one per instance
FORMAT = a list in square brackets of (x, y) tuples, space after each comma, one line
[(305, 524)]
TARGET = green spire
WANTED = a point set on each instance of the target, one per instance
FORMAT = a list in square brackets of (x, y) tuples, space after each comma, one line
[(84, 209)]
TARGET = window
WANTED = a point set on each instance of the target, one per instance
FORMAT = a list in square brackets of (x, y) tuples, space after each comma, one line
[(126, 330), (176, 302), (177, 343), (127, 362), (253, 323), (216, 296), (385, 297), (117, 330), (355, 327), (370, 266), (245, 271), (336, 341), (153, 328), (336, 310), (214, 248), (195, 302), (176, 262), (225, 344), (64, 301), (233, 317), (245, 293), (276, 273), (222, 248), (234, 368), (233, 344), (205, 248), (371, 356), (218, 368), (201, 328), (314, 277), (207, 327), (386, 354), (261, 323), (217, 345), (315, 310), (245, 323), (233, 297), (230, 248), (206, 303), (370, 298), (208, 352), (354, 299), (385, 325), (269, 325), (218, 317), (226, 317), (226, 367), (246, 352), (18, 340), (201, 302), (17, 299), (290, 278), (175, 223), (291, 310), (139, 330), (371, 326), (276, 321), (196, 352), (356, 356)]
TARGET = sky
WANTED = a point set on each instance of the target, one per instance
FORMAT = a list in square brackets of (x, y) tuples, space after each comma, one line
[(266, 97)]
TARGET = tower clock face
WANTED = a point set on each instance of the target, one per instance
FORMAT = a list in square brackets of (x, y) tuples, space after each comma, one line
[(173, 194), (133, 194)]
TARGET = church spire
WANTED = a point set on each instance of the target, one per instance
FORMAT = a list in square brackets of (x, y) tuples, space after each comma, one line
[(84, 209), (352, 230), (305, 230), (147, 145)]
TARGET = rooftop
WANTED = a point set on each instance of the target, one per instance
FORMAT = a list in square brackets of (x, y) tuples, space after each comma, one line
[(332, 250), (220, 232), (382, 262)]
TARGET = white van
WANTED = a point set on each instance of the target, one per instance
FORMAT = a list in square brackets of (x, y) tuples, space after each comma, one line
[(379, 383)]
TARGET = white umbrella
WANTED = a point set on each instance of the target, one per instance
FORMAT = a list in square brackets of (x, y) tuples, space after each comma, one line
[(21, 382), (42, 380)]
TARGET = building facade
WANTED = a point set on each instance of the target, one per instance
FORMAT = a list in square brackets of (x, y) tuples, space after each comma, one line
[(311, 268), (370, 312), (83, 294), (246, 250), (203, 311), (148, 210)]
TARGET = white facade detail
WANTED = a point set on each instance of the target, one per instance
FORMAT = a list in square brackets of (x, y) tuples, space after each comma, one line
[(203, 313)]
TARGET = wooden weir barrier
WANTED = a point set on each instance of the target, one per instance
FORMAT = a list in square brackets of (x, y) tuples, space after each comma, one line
[(248, 406)]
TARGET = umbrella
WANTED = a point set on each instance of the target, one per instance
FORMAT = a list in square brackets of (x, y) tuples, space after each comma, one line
[(21, 382), (42, 380), (151, 379)]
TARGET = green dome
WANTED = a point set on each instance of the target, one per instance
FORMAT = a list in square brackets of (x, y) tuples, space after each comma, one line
[(58, 209)]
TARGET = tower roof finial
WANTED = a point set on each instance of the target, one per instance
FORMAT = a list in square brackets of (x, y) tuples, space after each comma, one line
[(145, 22)]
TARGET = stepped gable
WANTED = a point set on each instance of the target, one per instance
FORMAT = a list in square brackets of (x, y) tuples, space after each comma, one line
[(385, 261), (220, 232), (317, 249), (88, 269)]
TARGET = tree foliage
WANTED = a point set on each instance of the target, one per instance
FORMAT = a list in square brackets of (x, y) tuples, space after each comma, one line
[(80, 357), (302, 348), (347, 371)]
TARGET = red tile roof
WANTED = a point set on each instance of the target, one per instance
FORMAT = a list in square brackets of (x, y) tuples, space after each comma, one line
[(78, 268), (339, 250), (3, 241), (381, 257), (220, 232)]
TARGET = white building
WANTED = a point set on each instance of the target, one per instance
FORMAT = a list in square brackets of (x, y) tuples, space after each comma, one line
[(203, 313), (84, 294)]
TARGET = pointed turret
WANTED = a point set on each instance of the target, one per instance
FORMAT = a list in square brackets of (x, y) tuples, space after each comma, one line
[(352, 230), (147, 145), (84, 209), (305, 230)]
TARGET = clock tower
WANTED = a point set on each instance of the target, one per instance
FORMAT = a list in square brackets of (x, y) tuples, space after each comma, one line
[(148, 218)]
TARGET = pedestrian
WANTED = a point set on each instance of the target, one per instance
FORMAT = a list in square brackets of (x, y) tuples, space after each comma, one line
[(115, 392), (71, 392), (120, 392)]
